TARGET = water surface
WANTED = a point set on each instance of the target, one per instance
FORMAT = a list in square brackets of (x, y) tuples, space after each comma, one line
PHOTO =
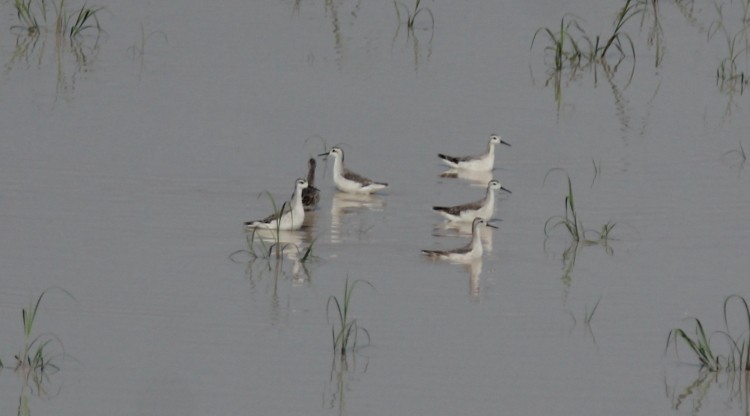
[(125, 179)]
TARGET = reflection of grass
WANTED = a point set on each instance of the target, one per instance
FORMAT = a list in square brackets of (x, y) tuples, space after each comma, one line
[(697, 391), (587, 317), (138, 50), (695, 396), (346, 336), (735, 157), (597, 170), (580, 237), (701, 344), (411, 36)]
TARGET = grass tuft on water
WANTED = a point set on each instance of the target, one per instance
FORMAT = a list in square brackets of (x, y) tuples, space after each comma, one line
[(729, 77), (345, 337), (32, 16), (85, 18), (38, 359), (411, 15), (572, 223), (737, 356)]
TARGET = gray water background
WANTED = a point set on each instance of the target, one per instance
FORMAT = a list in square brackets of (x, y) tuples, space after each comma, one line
[(125, 181)]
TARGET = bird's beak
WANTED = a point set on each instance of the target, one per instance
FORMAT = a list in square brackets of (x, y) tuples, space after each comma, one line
[(488, 223), (502, 188), (505, 143), (323, 154)]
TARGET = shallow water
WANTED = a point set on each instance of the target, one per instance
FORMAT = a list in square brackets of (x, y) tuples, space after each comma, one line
[(125, 181)]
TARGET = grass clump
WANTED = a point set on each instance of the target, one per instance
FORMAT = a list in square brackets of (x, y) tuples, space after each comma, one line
[(737, 356), (32, 17), (729, 77), (574, 49), (345, 337), (563, 44), (411, 15), (38, 359), (27, 16), (572, 223), (570, 49), (85, 18)]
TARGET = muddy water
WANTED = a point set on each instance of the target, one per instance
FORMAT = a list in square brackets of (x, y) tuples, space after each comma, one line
[(125, 179)]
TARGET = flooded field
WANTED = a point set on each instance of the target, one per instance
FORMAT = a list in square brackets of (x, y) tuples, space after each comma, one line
[(138, 141)]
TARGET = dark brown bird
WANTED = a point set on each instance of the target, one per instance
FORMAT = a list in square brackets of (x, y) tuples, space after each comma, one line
[(311, 194)]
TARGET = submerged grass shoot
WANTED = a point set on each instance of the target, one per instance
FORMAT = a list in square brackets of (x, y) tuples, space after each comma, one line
[(411, 15), (729, 76), (32, 16), (27, 17), (700, 344), (85, 18), (737, 354), (38, 358), (572, 223), (345, 337)]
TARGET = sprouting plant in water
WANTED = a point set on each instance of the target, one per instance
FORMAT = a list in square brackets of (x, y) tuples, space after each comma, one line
[(563, 44), (34, 25), (700, 344), (618, 38), (569, 49), (27, 16), (656, 32), (85, 18), (32, 16), (588, 316), (574, 225), (345, 337), (737, 358), (411, 15), (37, 360), (729, 77)]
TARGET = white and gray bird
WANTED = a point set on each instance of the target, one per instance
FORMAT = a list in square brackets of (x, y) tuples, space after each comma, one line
[(469, 252), (291, 215), (483, 162), (348, 181), (482, 208)]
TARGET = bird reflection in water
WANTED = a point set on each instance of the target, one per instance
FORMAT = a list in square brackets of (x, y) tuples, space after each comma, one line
[(470, 256), (343, 205), (453, 229), (268, 250), (477, 177), (475, 269)]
